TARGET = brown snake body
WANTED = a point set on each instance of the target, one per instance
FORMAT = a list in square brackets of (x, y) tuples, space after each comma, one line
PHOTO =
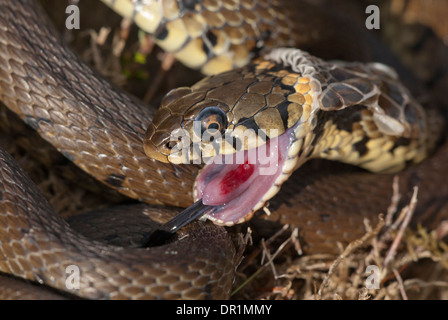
[(101, 130), (53, 76)]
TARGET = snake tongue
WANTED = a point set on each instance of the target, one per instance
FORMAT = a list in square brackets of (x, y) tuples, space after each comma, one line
[(160, 235), (239, 184)]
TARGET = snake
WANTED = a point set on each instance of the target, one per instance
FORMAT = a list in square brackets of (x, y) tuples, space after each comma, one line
[(110, 135), (295, 107)]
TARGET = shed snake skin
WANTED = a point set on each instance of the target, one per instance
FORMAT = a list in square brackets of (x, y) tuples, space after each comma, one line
[(101, 130)]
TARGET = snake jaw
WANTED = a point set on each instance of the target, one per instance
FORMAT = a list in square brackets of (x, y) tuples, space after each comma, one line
[(239, 184), (157, 150)]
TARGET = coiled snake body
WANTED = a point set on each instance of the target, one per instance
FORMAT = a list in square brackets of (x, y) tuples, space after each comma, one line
[(102, 130)]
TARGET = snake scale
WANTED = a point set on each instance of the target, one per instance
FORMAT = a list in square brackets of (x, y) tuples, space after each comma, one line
[(101, 129)]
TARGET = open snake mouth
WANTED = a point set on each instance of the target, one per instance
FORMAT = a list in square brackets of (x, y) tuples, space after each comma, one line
[(239, 184)]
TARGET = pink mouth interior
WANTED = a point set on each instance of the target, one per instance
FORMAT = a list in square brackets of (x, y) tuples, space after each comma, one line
[(238, 182)]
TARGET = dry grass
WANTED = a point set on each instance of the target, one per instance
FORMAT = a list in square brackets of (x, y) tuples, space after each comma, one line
[(411, 264)]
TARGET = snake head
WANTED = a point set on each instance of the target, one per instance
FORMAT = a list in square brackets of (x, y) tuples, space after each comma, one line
[(163, 136), (240, 124), (205, 129), (190, 136), (224, 114)]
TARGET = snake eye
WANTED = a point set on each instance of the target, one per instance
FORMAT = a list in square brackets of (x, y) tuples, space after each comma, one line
[(213, 121)]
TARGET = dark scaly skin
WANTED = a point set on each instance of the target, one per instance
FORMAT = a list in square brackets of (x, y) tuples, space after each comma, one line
[(86, 118), (14, 289), (92, 107), (38, 245), (345, 214)]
